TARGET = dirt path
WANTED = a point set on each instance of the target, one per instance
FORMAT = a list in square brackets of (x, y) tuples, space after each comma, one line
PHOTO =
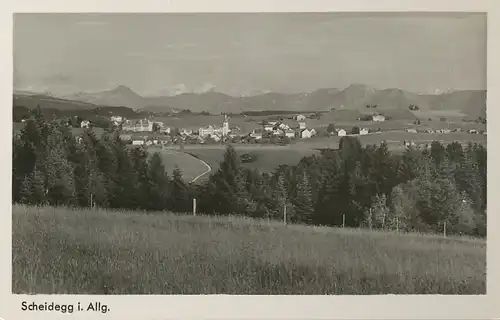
[(209, 168)]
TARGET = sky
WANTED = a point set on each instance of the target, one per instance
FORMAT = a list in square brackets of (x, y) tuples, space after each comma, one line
[(245, 53)]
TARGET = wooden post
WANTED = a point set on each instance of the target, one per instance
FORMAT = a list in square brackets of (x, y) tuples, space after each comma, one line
[(91, 201), (284, 214), (194, 206), (397, 224), (444, 229), (343, 221), (370, 219)]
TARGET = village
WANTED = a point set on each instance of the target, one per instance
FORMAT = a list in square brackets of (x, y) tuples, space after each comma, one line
[(151, 132)]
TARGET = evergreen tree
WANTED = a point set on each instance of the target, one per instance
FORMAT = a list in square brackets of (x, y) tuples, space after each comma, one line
[(179, 193), (158, 183), (303, 204)]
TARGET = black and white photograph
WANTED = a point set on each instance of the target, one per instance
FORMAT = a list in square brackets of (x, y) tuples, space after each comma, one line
[(273, 153)]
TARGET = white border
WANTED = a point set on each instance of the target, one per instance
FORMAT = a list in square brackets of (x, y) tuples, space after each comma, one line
[(232, 307)]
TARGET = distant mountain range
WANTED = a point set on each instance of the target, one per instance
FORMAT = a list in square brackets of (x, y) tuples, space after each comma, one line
[(355, 97)]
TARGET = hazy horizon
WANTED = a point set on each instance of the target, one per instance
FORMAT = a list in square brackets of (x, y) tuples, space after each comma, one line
[(166, 54)]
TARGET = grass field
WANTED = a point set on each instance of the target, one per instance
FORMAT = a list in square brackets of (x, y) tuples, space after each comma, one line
[(267, 159), (190, 166), (64, 251)]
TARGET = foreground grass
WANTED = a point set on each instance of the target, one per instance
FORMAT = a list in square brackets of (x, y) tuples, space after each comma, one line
[(105, 252)]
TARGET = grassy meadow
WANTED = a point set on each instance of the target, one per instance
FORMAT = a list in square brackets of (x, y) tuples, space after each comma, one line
[(190, 166), (66, 251), (266, 159)]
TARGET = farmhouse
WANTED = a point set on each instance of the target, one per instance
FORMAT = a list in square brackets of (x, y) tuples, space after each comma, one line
[(116, 120), (257, 134), (300, 117), (302, 125), (341, 133), (269, 127), (378, 118), (306, 134), (206, 131), (186, 131), (85, 124), (284, 126), (78, 139), (137, 142), (126, 137), (290, 133), (143, 125), (364, 131), (411, 130)]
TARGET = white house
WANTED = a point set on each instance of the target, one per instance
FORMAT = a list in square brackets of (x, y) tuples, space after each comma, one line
[(305, 134), (341, 133), (378, 118), (137, 142), (284, 126), (313, 132), (411, 130), (85, 124), (256, 135), (301, 117), (277, 132), (269, 127), (290, 133), (302, 125), (206, 131), (167, 130), (116, 119), (186, 132), (364, 131)]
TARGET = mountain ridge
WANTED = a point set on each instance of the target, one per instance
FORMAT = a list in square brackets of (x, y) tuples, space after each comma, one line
[(354, 97)]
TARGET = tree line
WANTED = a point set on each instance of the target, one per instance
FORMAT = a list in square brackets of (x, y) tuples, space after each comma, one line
[(359, 186)]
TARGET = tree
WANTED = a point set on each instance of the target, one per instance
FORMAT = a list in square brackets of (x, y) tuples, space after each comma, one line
[(303, 203), (158, 183), (331, 128), (378, 214), (179, 193), (355, 130)]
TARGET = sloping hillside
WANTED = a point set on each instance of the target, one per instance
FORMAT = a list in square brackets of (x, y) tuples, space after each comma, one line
[(68, 251)]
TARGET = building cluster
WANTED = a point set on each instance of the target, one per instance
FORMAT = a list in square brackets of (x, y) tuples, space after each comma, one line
[(429, 130), (141, 125)]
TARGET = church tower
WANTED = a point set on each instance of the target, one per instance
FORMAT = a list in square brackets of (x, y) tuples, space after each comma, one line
[(225, 126)]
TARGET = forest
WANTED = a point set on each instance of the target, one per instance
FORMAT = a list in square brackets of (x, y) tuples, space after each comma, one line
[(419, 190)]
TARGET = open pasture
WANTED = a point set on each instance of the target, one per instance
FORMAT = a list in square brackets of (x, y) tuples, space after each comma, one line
[(190, 166), (65, 251), (266, 159)]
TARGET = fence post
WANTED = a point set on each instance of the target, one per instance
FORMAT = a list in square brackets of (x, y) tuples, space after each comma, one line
[(397, 224), (284, 214), (444, 229), (194, 206), (91, 202), (343, 220)]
